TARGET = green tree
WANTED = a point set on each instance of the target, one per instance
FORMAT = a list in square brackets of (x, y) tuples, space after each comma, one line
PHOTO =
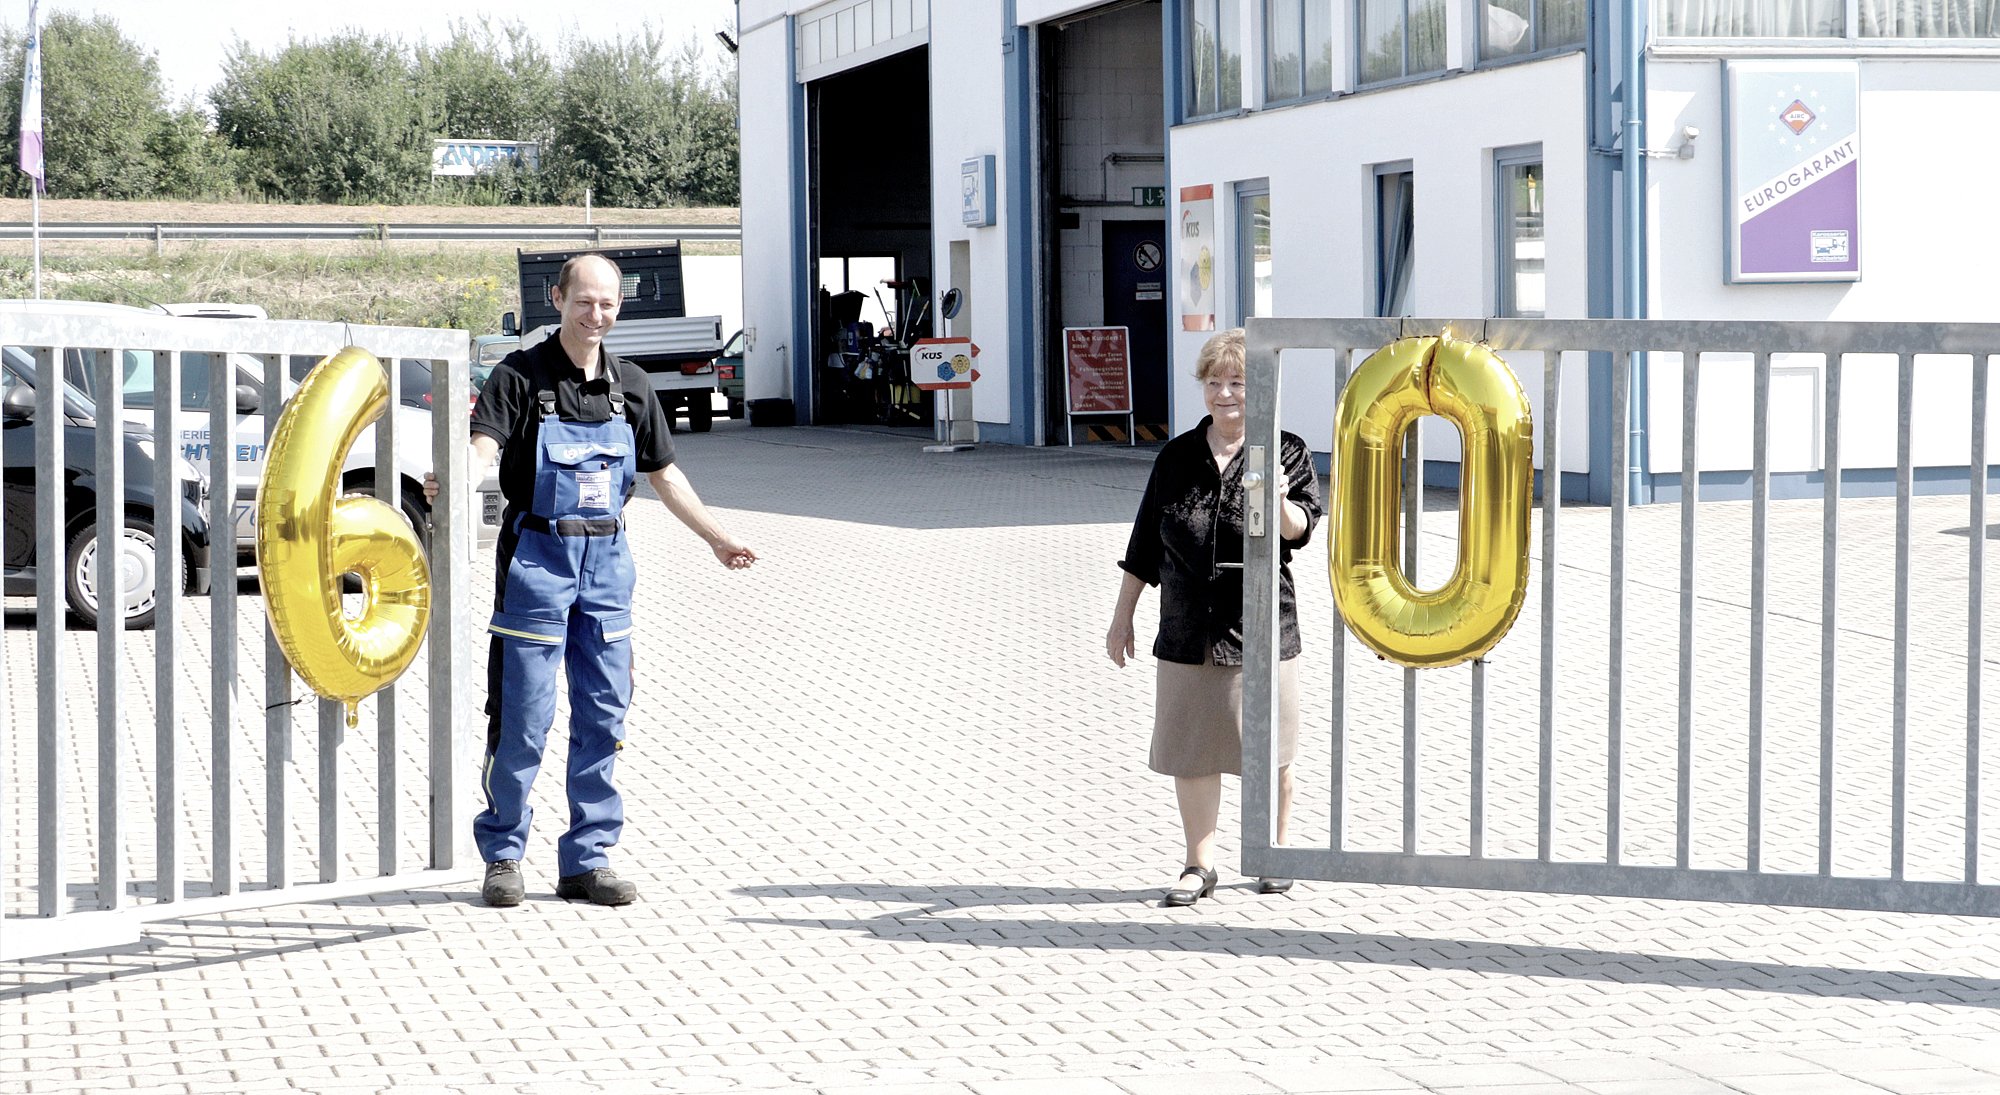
[(194, 162), (102, 102), (644, 128), (492, 85), (337, 120), (488, 85)]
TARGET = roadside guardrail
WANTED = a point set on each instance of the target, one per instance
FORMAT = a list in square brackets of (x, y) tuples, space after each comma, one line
[(162, 231)]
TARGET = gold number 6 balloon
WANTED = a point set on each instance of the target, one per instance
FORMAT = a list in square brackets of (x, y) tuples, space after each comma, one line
[(308, 537), (1470, 386)]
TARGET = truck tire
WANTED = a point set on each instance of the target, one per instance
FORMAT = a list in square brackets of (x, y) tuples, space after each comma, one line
[(701, 413)]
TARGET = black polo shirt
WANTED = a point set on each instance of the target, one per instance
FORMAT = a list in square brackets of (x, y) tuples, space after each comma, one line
[(509, 413)]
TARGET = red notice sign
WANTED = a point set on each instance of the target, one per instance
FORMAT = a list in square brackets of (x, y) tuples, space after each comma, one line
[(1098, 361)]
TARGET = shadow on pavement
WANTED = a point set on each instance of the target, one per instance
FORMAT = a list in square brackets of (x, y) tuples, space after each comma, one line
[(885, 478), (180, 945), (1198, 935)]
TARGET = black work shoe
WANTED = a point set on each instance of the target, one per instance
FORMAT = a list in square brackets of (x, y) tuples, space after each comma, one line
[(503, 888), (601, 886)]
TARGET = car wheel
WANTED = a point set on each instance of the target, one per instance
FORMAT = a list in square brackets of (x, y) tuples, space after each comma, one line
[(701, 414), (137, 557)]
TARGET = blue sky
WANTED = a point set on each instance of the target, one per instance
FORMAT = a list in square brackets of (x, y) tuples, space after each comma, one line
[(191, 37)]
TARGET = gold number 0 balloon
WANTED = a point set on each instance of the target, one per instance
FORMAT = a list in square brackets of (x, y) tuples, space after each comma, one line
[(1470, 386), (308, 536)]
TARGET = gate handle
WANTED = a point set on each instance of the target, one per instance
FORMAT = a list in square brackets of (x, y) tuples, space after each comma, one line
[(1253, 491)]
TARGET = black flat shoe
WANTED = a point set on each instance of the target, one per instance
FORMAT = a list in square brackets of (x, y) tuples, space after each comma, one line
[(1273, 885), (1179, 896)]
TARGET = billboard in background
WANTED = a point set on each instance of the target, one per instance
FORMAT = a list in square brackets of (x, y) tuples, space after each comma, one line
[(1794, 170), (452, 157)]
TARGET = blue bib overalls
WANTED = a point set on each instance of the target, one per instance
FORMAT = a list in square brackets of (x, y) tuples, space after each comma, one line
[(565, 598)]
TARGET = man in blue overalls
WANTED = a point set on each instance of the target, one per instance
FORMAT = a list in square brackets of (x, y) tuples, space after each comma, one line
[(574, 426)]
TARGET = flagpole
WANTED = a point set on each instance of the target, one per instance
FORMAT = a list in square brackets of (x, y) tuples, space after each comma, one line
[(31, 159)]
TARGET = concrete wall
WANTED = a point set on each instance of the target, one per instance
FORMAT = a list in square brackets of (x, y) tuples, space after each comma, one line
[(1320, 159), (1109, 103), (1929, 222), (968, 81), (1927, 217), (768, 280)]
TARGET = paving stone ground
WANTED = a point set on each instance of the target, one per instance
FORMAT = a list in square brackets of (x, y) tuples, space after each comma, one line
[(891, 819)]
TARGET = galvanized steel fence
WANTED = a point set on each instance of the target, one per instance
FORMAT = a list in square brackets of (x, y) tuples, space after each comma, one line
[(55, 781), (1601, 710)]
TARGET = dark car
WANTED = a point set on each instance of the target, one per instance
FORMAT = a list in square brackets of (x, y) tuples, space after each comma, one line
[(137, 549), (729, 373)]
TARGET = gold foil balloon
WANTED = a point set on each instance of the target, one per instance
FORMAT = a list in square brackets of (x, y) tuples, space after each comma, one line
[(1470, 386), (308, 537)]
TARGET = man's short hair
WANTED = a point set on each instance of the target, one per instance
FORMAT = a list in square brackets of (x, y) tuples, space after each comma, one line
[(567, 275)]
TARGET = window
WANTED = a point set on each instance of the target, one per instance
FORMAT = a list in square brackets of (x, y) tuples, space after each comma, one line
[(1253, 249), (136, 370), (1395, 229), (1298, 49), (1829, 19), (1214, 60), (1515, 27), (1400, 38), (1522, 286)]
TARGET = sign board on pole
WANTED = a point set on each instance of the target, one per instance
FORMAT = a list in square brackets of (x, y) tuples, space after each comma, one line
[(943, 363), (450, 157), (975, 191), (1097, 373), (1195, 250), (1098, 363), (1794, 137)]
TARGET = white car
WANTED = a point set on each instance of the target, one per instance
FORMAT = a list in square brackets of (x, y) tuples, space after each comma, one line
[(193, 433)]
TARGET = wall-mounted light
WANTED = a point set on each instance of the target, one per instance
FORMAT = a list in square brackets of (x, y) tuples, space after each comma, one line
[(1686, 150), (728, 43)]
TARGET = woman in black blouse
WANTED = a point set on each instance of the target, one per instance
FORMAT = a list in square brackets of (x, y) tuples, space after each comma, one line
[(1188, 540)]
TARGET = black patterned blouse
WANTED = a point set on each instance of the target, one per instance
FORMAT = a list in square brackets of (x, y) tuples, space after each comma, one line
[(1190, 525)]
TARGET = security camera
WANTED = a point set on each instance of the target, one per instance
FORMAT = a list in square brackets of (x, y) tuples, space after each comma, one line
[(1686, 150), (1689, 132)]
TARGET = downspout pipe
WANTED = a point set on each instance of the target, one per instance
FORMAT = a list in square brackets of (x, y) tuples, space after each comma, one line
[(1632, 262)]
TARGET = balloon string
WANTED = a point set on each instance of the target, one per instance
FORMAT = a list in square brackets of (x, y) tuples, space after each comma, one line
[(286, 703)]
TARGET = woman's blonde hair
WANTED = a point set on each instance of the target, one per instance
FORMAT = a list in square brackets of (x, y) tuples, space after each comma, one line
[(1224, 351)]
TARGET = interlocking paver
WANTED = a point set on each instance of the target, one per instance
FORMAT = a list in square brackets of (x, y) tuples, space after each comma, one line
[(894, 829)]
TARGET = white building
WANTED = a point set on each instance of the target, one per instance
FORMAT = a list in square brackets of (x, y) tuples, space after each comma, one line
[(1798, 159)]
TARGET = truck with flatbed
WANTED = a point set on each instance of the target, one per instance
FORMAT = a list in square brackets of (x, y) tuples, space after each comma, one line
[(653, 331)]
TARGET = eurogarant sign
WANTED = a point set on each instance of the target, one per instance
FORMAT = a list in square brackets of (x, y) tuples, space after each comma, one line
[(453, 157), (1794, 170)]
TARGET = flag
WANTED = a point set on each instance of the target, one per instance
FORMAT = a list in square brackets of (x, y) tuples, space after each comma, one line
[(31, 100)]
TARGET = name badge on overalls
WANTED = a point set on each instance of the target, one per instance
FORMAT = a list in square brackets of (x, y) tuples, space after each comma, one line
[(593, 489)]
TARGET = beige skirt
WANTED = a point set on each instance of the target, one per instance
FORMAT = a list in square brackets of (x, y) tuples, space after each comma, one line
[(1198, 718)]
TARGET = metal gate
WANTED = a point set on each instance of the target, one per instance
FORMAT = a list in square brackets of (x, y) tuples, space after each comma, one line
[(129, 792), (1685, 738)]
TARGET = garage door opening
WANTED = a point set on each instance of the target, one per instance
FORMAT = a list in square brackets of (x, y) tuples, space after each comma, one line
[(1103, 119), (870, 210)]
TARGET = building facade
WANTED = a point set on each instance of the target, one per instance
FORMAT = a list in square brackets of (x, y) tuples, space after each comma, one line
[(1175, 166)]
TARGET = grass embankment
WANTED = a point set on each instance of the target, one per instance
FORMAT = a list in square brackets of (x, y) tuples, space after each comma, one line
[(402, 283)]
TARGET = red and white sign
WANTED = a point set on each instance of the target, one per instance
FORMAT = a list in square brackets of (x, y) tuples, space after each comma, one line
[(1098, 364), (1194, 248), (943, 363)]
